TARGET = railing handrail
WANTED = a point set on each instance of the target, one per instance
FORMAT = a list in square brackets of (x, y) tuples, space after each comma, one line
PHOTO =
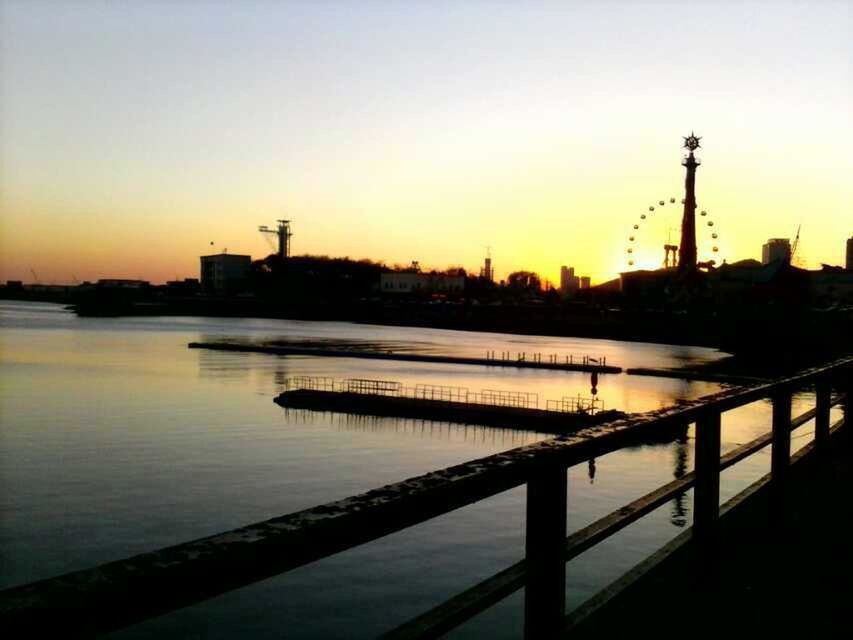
[(473, 600), (137, 588)]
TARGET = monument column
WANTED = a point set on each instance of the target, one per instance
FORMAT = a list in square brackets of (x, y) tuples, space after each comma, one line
[(687, 248)]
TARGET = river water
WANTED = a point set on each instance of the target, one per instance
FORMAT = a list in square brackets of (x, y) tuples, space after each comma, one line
[(116, 439)]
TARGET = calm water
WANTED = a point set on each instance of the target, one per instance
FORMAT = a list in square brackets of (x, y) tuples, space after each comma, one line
[(117, 439)]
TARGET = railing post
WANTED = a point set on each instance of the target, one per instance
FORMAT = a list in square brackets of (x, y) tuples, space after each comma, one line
[(823, 391), (545, 591), (780, 454), (847, 407), (706, 494)]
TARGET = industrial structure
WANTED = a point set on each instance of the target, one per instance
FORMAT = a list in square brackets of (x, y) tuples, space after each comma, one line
[(284, 235), (849, 263)]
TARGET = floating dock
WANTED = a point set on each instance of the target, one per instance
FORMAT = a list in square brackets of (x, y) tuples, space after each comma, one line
[(489, 407), (552, 363), (534, 419)]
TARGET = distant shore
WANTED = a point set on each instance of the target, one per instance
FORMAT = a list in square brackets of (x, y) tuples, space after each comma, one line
[(763, 339)]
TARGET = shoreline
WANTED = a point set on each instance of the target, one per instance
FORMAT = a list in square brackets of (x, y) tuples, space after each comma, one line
[(759, 343)]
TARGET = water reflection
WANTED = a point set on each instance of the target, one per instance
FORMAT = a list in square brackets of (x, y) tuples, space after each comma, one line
[(421, 428), (681, 458), (107, 419), (211, 365)]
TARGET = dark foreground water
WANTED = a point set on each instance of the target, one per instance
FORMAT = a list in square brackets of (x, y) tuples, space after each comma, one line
[(116, 439)]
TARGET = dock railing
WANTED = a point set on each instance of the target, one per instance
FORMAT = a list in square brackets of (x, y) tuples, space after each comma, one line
[(576, 404), (119, 594), (550, 358), (444, 393)]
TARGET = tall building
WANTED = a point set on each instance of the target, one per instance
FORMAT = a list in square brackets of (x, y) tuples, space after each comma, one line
[(849, 263), (488, 271), (585, 282), (224, 272), (776, 249), (569, 282)]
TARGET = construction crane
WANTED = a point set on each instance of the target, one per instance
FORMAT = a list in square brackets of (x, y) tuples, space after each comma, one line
[(284, 235), (795, 245)]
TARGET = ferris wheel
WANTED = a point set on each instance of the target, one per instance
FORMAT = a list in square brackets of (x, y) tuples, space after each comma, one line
[(660, 225)]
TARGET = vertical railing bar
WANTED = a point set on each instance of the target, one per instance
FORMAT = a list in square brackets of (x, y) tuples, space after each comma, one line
[(847, 406), (823, 393), (706, 493), (545, 591), (780, 453)]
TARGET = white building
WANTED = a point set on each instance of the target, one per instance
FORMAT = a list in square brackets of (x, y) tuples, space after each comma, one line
[(776, 249), (416, 282), (224, 272)]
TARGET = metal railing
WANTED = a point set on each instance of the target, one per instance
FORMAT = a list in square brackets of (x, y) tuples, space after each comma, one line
[(440, 392), (576, 404), (444, 393), (119, 594), (519, 399), (372, 387), (311, 383), (550, 358)]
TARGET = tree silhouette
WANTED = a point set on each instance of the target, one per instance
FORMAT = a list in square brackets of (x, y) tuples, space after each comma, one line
[(524, 281)]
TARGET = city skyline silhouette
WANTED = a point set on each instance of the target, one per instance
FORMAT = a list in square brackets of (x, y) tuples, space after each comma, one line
[(398, 133)]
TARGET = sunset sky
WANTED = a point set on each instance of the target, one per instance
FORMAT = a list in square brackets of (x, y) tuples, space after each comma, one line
[(134, 134)]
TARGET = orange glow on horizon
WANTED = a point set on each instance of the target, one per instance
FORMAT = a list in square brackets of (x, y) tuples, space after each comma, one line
[(122, 160)]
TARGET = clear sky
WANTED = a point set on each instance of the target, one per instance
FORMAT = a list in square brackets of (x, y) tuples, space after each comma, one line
[(134, 134)]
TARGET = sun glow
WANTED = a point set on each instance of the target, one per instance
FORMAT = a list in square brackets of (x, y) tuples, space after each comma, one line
[(119, 159)]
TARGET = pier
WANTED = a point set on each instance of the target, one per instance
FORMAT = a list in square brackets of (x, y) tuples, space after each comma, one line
[(118, 594), (520, 360), (493, 408)]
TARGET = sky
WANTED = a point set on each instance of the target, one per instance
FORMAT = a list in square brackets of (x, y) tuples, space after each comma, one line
[(137, 136)]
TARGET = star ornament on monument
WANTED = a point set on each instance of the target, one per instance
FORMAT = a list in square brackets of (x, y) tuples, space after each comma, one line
[(692, 141)]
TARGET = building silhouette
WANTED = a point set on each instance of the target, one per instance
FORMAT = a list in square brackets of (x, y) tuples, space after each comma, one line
[(569, 282), (849, 262), (407, 282), (687, 248), (488, 270), (225, 273), (776, 249)]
